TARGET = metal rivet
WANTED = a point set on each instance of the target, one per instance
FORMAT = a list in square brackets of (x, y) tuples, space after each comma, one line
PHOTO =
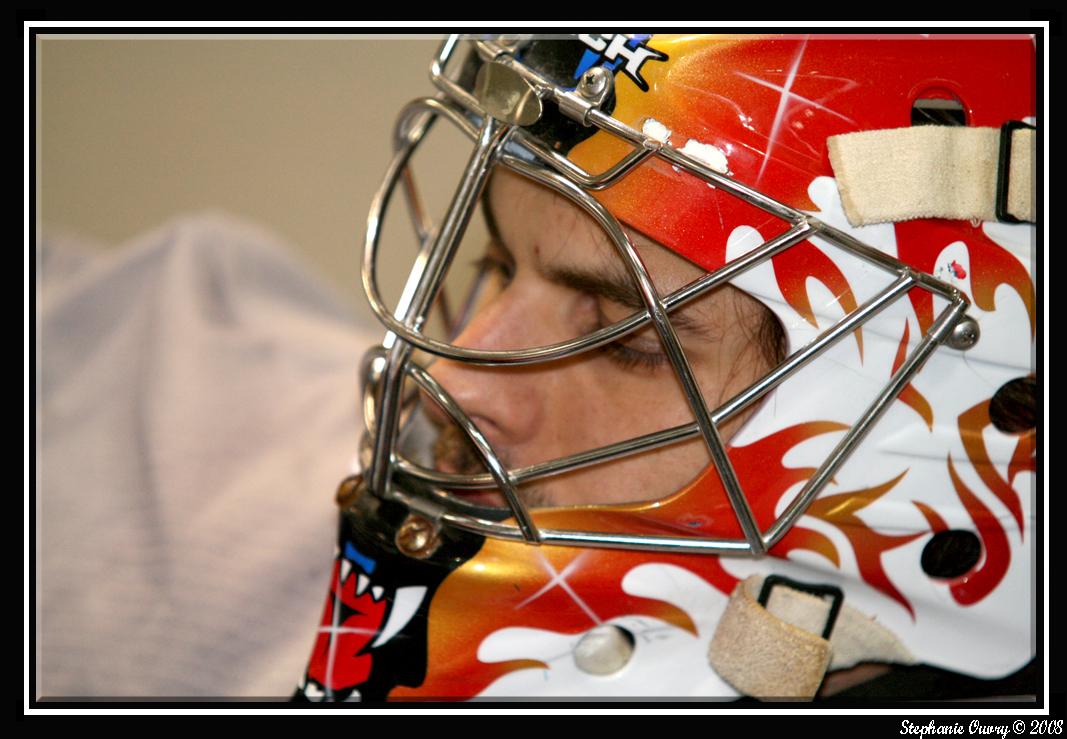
[(593, 83), (604, 650), (417, 537), (965, 334), (349, 491)]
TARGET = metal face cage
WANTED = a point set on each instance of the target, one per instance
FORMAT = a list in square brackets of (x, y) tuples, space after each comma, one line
[(510, 96)]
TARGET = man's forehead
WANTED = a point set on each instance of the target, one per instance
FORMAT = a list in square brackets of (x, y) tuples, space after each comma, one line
[(564, 236)]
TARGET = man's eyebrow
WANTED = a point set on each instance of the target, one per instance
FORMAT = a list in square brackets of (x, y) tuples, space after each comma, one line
[(616, 286), (611, 285), (609, 282)]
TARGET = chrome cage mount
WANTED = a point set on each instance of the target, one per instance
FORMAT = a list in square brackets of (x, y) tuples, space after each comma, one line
[(495, 127)]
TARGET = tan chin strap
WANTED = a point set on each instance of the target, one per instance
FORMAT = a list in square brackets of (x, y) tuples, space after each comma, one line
[(954, 172), (778, 651)]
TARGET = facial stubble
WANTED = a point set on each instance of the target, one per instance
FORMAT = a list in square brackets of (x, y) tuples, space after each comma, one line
[(454, 451)]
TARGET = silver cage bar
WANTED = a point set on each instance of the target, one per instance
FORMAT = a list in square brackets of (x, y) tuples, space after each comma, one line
[(387, 367)]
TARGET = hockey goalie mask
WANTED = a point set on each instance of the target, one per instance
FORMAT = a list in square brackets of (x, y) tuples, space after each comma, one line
[(700, 310)]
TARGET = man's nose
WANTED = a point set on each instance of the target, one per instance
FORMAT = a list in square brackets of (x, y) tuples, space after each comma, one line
[(505, 402)]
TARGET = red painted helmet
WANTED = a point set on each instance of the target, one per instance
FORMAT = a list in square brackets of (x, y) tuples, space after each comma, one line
[(870, 199)]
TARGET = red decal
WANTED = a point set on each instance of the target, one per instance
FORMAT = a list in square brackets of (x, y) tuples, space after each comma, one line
[(972, 423), (909, 394), (760, 466), (992, 266), (808, 540), (920, 242), (793, 267), (937, 524), (980, 582), (1023, 458), (869, 545), (336, 663)]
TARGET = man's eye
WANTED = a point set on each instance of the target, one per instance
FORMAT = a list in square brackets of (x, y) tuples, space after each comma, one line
[(630, 358), (645, 354)]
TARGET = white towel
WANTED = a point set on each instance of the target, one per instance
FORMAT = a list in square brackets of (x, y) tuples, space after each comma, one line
[(196, 408)]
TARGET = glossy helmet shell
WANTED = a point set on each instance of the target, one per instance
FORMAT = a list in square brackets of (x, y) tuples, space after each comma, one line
[(928, 527)]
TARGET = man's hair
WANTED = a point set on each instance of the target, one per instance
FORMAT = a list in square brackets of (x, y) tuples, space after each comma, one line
[(771, 338)]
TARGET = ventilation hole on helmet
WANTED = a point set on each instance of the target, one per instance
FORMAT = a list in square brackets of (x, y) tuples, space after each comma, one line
[(1013, 408), (604, 650), (938, 108), (951, 553)]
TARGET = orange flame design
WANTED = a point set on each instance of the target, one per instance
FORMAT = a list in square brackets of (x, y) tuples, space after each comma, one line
[(559, 589), (757, 472), (920, 242), (775, 479), (979, 583), (810, 540), (909, 394), (992, 266), (869, 545), (568, 590), (971, 424), (793, 267), (1024, 457), (937, 524)]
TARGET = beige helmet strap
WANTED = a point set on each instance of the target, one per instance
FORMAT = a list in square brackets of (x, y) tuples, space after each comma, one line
[(779, 651), (955, 172)]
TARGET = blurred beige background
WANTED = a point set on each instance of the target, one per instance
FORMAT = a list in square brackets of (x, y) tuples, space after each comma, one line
[(290, 132)]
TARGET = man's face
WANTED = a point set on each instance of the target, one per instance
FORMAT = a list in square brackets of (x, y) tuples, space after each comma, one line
[(557, 276)]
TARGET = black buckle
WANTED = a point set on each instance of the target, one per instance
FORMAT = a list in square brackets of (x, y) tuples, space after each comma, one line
[(833, 591), (1004, 170)]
